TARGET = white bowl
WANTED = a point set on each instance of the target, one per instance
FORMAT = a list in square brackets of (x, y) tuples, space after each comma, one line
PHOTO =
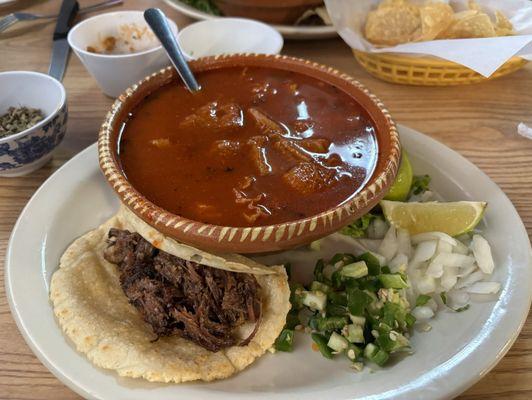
[(229, 35), (116, 72), (28, 150)]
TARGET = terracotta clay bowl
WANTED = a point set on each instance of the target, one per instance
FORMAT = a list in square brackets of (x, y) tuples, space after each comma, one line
[(262, 238), (284, 12)]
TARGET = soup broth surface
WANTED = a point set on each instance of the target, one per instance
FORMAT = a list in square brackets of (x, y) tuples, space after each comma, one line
[(255, 146)]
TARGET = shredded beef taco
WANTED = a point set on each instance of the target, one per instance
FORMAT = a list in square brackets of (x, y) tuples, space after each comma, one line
[(139, 303)]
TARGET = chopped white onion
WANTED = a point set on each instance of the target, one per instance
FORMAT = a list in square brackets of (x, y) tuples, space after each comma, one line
[(424, 251), (432, 305), (404, 245), (377, 229), (467, 271), (368, 244), (448, 279), (460, 248), (389, 244), (426, 284), (435, 268), (457, 298), (469, 280), (484, 288), (422, 237), (398, 263), (444, 247), (457, 260), (422, 313), (482, 251)]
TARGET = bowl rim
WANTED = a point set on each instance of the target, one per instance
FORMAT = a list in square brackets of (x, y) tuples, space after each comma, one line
[(202, 26), (79, 50), (163, 220), (49, 117)]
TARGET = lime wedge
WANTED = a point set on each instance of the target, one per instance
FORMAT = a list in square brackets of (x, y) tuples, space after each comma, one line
[(451, 218), (401, 187)]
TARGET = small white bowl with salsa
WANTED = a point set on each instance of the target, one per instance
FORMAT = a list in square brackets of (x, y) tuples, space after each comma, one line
[(118, 49)]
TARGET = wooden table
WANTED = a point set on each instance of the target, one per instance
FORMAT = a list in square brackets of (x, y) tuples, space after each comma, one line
[(478, 121)]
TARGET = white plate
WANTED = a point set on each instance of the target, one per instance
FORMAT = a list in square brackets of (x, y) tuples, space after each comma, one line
[(288, 31), (459, 350)]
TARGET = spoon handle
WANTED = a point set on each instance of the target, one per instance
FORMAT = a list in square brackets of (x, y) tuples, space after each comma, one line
[(158, 23)]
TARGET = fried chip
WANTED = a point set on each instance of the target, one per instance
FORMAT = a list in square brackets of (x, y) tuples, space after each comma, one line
[(400, 21), (503, 26), (391, 3), (394, 23), (436, 17), (473, 5), (469, 24)]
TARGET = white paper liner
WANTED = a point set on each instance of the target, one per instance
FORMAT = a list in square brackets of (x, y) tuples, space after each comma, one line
[(484, 55)]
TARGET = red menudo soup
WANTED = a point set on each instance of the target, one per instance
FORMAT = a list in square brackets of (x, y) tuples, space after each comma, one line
[(255, 146)]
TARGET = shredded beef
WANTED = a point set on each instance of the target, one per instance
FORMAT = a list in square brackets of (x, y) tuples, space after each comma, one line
[(179, 297)]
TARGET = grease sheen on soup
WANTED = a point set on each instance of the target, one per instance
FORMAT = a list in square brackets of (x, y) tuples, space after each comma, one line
[(256, 146)]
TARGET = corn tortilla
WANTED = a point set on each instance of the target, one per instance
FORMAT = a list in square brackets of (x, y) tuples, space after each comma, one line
[(96, 316)]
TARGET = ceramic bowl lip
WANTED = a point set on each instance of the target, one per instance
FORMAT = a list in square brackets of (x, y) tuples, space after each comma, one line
[(49, 117), (113, 56), (204, 25), (120, 184)]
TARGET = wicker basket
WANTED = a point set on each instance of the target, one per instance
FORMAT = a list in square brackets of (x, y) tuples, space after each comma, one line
[(427, 71)]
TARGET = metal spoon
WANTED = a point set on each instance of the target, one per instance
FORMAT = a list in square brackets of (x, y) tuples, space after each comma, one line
[(158, 23)]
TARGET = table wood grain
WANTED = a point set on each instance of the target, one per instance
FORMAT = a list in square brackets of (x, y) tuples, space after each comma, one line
[(477, 121)]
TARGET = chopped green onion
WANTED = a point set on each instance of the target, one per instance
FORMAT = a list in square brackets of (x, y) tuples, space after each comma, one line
[(374, 266), (335, 310), (410, 320), (380, 357), (337, 342), (357, 320), (369, 283), (314, 300), (337, 280), (392, 312), (391, 341), (285, 341), (443, 297), (328, 272), (318, 271), (353, 352), (357, 301), (292, 320), (322, 287), (422, 299), (321, 342), (370, 350), (464, 308), (296, 295), (336, 258), (420, 184), (357, 366), (386, 270), (354, 333), (373, 353), (355, 270), (328, 324), (393, 281), (339, 298)]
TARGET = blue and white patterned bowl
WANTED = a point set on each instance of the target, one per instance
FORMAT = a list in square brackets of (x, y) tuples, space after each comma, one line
[(28, 150)]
